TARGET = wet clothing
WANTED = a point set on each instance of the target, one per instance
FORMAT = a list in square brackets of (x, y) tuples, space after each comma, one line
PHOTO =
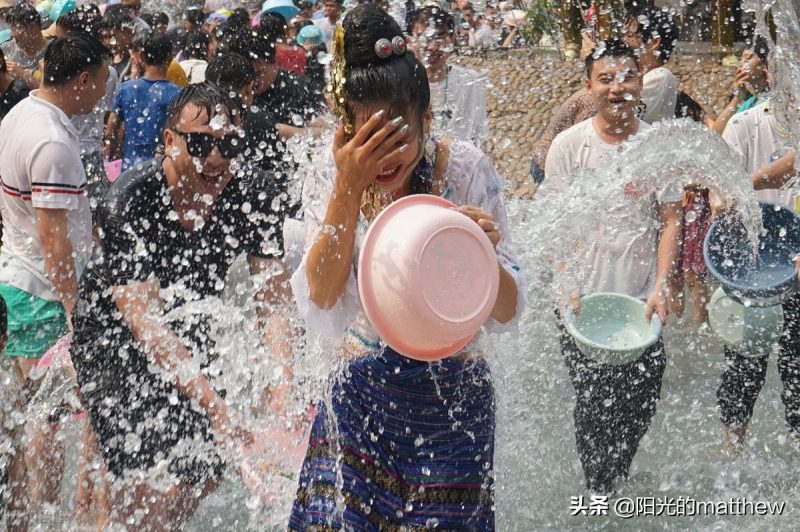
[(41, 169), (577, 108), (614, 405), (744, 376), (139, 417), (292, 99), (291, 58), (33, 324), (659, 95), (414, 442), (14, 94), (141, 104), (13, 52)]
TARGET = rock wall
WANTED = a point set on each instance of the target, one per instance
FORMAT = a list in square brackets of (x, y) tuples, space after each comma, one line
[(522, 92)]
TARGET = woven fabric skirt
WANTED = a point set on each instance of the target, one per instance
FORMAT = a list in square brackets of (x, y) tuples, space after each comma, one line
[(401, 444)]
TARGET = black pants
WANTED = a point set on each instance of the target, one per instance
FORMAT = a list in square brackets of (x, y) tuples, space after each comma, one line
[(613, 409), (744, 377)]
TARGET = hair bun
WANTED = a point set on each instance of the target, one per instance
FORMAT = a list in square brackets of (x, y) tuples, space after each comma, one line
[(363, 27)]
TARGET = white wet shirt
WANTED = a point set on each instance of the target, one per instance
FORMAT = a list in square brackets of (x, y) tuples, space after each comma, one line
[(659, 94), (459, 106), (40, 168), (628, 263), (757, 139), (471, 180)]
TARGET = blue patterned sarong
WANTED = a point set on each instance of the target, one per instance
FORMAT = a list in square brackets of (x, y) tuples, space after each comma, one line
[(410, 445)]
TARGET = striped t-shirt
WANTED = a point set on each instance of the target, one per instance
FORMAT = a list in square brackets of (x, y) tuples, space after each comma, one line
[(40, 168)]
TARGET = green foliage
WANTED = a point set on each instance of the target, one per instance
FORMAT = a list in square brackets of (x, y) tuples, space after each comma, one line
[(541, 20)]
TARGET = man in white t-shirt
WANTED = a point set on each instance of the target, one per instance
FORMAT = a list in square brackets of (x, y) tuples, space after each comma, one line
[(615, 403), (652, 33), (760, 142), (457, 100), (333, 10), (48, 233)]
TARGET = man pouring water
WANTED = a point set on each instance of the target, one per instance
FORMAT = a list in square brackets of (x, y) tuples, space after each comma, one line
[(615, 403)]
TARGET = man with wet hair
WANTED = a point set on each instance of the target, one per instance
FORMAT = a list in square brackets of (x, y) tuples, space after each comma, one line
[(615, 403), (172, 228), (46, 240), (26, 49), (117, 30), (141, 104), (652, 32), (333, 12), (457, 100)]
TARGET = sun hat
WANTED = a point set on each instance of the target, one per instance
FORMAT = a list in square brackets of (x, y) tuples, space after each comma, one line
[(310, 34), (61, 7), (284, 8)]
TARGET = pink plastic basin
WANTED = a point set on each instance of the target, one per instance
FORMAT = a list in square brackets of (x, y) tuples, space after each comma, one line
[(428, 277)]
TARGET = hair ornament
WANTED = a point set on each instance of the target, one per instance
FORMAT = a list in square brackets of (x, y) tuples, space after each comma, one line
[(383, 48), (399, 45), (338, 79)]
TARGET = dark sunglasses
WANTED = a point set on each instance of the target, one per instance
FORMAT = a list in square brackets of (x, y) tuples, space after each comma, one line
[(200, 144)]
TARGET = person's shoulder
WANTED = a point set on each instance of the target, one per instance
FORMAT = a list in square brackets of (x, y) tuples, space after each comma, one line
[(749, 119), (135, 189), (661, 73), (575, 133)]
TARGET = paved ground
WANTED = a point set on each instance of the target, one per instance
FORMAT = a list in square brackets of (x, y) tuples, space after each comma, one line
[(523, 91)]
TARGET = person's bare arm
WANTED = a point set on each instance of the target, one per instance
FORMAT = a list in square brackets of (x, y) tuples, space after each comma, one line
[(143, 312), (111, 136), (669, 251), (59, 259), (776, 174)]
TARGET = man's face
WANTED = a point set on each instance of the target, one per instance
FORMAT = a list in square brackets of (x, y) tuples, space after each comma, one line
[(616, 87), (92, 87), (265, 74), (203, 169), (430, 44), (118, 41), (755, 69), (332, 9), (24, 33), (631, 35)]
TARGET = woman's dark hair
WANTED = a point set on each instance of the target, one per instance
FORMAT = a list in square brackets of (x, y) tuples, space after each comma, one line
[(687, 107), (609, 48), (156, 48), (398, 81), (195, 16), (272, 26), (205, 96), (83, 19), (70, 55), (231, 72), (196, 46), (117, 19), (3, 66), (160, 19), (239, 18), (23, 14)]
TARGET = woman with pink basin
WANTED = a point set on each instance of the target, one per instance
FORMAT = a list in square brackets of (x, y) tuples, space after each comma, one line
[(400, 442)]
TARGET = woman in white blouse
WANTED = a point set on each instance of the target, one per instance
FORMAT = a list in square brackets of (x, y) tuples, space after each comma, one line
[(400, 442)]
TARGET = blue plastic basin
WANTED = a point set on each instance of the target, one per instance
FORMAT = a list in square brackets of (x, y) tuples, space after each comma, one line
[(765, 277)]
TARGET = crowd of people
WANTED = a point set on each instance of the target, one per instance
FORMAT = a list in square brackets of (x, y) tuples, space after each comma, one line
[(141, 157)]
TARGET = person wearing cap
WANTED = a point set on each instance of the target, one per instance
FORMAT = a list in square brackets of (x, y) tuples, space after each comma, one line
[(333, 12), (310, 37), (195, 54), (457, 99), (24, 52)]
